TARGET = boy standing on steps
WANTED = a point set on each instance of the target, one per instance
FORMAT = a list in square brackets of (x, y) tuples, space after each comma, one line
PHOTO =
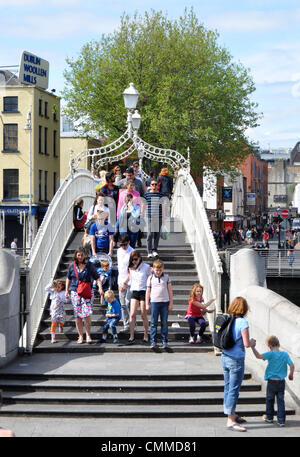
[(275, 374), (159, 298)]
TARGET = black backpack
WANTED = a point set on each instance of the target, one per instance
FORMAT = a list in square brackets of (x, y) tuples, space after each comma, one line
[(222, 335)]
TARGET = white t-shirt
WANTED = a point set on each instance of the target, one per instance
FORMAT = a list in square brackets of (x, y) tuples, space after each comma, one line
[(159, 287), (14, 246), (138, 277), (123, 261)]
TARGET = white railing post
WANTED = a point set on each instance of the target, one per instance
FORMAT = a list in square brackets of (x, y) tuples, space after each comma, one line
[(189, 208)]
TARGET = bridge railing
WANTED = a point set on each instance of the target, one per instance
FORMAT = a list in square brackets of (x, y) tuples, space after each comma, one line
[(50, 243), (188, 207), (278, 262)]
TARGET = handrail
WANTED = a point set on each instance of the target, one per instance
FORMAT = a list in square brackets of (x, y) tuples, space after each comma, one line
[(187, 205), (50, 243), (277, 261)]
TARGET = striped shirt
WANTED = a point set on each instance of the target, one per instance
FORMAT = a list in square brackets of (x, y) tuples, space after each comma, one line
[(154, 205)]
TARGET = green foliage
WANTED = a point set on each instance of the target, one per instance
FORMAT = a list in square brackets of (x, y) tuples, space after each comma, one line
[(191, 92)]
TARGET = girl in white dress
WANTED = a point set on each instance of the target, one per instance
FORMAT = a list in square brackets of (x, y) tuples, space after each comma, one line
[(56, 290)]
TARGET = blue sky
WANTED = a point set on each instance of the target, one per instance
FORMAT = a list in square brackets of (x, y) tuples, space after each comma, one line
[(264, 35)]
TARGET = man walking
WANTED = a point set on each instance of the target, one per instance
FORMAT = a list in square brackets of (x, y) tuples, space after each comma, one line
[(156, 210)]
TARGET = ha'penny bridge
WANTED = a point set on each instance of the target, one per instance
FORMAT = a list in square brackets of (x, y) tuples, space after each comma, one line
[(134, 386)]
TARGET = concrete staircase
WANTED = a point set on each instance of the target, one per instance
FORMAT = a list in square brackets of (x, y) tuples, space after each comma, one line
[(125, 381), (145, 396), (179, 264)]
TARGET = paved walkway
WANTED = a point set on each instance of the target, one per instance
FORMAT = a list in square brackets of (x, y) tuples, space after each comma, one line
[(118, 363)]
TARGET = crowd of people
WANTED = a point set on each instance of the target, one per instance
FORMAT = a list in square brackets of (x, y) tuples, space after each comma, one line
[(149, 288), (123, 203)]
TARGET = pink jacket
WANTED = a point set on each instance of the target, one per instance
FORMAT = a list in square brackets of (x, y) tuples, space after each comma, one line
[(122, 195)]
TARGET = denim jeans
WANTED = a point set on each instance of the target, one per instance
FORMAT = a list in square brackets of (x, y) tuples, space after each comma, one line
[(111, 322), (162, 309), (192, 323), (291, 258), (153, 236), (233, 371), (124, 298), (275, 389)]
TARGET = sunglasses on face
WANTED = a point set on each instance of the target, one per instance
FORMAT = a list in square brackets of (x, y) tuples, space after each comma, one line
[(135, 258), (124, 244), (153, 184)]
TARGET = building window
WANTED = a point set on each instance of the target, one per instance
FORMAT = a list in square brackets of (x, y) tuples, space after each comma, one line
[(46, 186), (54, 143), (11, 184), (46, 140), (10, 104), (54, 182), (40, 185), (54, 112), (10, 137), (40, 140), (40, 108), (46, 110)]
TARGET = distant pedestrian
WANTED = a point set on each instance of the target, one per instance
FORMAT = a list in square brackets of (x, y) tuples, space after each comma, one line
[(138, 184), (14, 246), (291, 252), (165, 183), (275, 375), (136, 169), (118, 174), (79, 217), (156, 214)]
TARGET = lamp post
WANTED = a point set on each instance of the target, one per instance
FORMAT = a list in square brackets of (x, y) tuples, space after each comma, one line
[(103, 154), (28, 127)]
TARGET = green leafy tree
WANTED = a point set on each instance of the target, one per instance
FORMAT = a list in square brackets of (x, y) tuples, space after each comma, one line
[(192, 94)]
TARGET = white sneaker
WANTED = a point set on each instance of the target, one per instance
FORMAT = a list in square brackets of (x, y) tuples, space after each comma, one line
[(150, 255), (191, 340), (53, 339), (155, 254), (199, 339)]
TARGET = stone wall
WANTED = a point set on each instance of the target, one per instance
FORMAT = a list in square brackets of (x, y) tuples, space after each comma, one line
[(9, 306)]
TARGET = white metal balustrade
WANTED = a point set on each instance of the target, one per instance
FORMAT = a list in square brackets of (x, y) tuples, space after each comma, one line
[(187, 205), (50, 243)]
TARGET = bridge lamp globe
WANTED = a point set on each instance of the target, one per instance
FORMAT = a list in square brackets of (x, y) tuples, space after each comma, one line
[(136, 120), (131, 96)]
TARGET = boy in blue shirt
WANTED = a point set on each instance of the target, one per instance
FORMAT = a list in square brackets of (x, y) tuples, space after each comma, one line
[(102, 234), (113, 315), (275, 374)]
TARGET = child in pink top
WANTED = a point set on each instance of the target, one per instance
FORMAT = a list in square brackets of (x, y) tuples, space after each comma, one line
[(129, 190), (195, 311)]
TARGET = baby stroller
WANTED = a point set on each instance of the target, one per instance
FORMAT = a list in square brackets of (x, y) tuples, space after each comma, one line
[(111, 282)]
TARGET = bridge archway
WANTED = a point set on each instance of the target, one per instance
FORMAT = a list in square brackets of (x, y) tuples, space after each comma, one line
[(109, 154)]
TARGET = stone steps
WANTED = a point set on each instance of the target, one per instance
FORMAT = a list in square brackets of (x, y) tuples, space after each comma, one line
[(124, 395)]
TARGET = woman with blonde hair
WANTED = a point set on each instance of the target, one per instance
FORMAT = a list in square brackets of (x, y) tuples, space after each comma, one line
[(233, 363), (165, 183)]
